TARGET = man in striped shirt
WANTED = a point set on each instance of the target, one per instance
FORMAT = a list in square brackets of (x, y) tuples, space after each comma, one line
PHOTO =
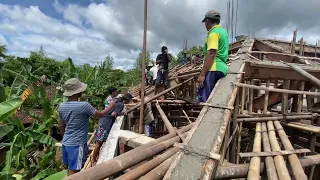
[(74, 119)]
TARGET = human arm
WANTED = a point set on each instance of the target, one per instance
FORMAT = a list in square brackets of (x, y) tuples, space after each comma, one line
[(158, 60), (62, 127), (99, 114)]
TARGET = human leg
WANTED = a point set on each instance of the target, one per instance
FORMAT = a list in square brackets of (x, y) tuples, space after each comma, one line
[(101, 136), (75, 157), (212, 77)]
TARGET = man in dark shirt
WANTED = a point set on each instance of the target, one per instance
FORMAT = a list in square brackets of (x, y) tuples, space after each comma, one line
[(163, 61), (106, 122)]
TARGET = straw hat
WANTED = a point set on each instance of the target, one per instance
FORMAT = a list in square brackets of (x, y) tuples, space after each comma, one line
[(73, 86)]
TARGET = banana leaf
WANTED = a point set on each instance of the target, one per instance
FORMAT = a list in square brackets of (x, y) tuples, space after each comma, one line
[(42, 138), (58, 175), (3, 96), (5, 129), (45, 173), (9, 107), (9, 156), (42, 97)]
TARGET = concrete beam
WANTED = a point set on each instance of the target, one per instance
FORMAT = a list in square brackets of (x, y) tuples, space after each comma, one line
[(211, 123)]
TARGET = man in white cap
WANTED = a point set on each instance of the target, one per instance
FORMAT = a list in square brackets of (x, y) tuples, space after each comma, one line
[(74, 119)]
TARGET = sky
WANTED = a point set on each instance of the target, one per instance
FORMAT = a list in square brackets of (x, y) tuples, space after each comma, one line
[(89, 30)]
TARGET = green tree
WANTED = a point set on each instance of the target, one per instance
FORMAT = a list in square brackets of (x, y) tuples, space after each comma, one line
[(191, 52), (137, 64), (109, 62)]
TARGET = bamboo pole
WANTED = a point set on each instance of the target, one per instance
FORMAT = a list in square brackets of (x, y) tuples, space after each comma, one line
[(312, 149), (148, 166), (107, 169), (301, 47), (239, 143), (284, 103), (280, 164), (160, 94), (293, 45), (305, 74), (165, 120), (271, 89), (254, 168), (275, 118), (266, 98), (293, 158), (271, 169), (186, 115), (243, 99), (143, 67), (300, 97), (250, 98), (159, 172), (241, 170), (234, 127)]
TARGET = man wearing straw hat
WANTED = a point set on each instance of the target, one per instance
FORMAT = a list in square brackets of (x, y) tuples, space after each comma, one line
[(74, 119)]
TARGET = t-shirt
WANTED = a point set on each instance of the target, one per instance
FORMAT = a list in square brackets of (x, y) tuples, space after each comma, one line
[(154, 71), (76, 115), (109, 100), (117, 109), (164, 64), (218, 39)]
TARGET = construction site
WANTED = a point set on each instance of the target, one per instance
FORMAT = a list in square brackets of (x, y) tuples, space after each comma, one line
[(261, 121)]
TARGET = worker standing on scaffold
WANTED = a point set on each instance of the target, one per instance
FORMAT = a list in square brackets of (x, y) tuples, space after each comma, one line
[(215, 53)]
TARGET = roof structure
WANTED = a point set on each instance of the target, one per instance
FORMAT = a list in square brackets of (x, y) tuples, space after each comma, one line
[(261, 120)]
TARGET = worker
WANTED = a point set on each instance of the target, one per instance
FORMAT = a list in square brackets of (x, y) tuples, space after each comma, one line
[(215, 53), (113, 93), (162, 81), (73, 121), (106, 122), (153, 74), (149, 74)]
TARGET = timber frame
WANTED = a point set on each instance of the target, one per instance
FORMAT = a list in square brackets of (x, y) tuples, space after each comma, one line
[(261, 120)]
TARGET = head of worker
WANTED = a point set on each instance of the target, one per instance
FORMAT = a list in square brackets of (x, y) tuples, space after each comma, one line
[(73, 88), (211, 19), (126, 98), (113, 91), (164, 50)]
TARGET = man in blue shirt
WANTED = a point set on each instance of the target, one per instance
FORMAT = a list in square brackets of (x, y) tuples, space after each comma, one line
[(106, 122), (74, 119)]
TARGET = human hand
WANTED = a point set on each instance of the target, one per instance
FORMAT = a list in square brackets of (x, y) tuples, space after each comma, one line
[(228, 64), (201, 79)]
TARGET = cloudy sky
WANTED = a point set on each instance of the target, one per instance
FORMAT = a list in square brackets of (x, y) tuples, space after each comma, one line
[(89, 30)]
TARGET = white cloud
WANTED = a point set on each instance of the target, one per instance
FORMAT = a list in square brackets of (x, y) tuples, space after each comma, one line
[(89, 33)]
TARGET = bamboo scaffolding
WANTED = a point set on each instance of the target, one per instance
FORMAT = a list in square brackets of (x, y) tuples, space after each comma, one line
[(250, 98), (148, 166), (159, 172), (275, 118), (280, 164), (165, 120), (241, 170), (254, 168), (293, 158), (271, 89), (300, 97), (270, 167), (114, 164), (305, 74), (266, 98), (160, 94)]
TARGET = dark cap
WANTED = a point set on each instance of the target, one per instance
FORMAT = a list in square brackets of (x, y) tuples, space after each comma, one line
[(212, 14), (127, 96), (164, 48)]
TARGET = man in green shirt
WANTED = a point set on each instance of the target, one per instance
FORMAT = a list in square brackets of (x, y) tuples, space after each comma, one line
[(215, 53)]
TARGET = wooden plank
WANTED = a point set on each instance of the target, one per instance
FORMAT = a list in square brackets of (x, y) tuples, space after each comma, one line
[(133, 139), (273, 153)]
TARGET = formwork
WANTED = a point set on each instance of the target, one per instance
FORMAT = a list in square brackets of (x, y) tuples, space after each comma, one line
[(261, 121)]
